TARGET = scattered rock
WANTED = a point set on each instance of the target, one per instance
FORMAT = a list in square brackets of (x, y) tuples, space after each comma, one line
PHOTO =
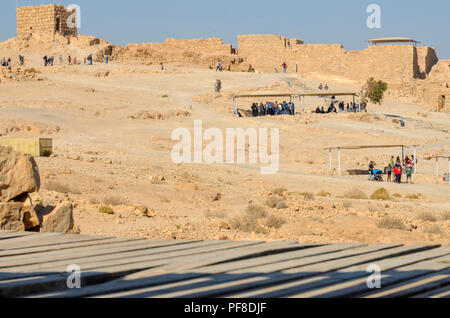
[(11, 216), (18, 174), (60, 220)]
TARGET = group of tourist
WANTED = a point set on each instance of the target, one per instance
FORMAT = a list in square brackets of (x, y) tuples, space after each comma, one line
[(395, 170), (351, 107), (272, 109), (6, 62), (219, 66), (323, 88), (48, 61)]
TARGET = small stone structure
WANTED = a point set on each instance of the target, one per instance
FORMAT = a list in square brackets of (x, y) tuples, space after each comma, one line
[(45, 20)]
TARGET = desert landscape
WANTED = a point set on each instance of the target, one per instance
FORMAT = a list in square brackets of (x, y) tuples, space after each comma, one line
[(111, 125)]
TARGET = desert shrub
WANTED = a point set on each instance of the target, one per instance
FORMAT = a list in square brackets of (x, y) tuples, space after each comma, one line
[(380, 194), (164, 200), (397, 195), (255, 211), (275, 202), (165, 96), (414, 196), (433, 229), (281, 205), (106, 210), (374, 91), (347, 204), (274, 222), (355, 194), (445, 216), (427, 216), (32, 70), (246, 224), (323, 193), (308, 195), (279, 191), (391, 223), (215, 214)]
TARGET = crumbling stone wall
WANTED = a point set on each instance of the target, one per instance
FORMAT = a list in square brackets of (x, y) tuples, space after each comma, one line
[(45, 20), (428, 91), (194, 52), (391, 63)]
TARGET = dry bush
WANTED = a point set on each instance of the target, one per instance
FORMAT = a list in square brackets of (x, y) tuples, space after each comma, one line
[(215, 214), (433, 229), (397, 195), (414, 196), (279, 191), (445, 216), (60, 188), (274, 222), (355, 193), (275, 202), (164, 200), (256, 212), (392, 223), (246, 224), (114, 201), (323, 194), (308, 196), (105, 210), (427, 216), (380, 194), (347, 204)]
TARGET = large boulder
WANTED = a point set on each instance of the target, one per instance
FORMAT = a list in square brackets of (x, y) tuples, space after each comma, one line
[(30, 217), (12, 216), (19, 174), (60, 220)]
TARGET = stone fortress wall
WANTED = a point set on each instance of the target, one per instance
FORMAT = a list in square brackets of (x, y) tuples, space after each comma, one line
[(44, 20)]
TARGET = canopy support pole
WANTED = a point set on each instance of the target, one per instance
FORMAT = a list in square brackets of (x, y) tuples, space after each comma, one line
[(329, 155), (415, 160), (403, 155), (448, 170), (359, 102), (339, 162), (304, 105), (437, 167)]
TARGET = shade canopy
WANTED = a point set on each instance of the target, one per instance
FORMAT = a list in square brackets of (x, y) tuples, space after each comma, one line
[(392, 40), (329, 93), (256, 95), (366, 147)]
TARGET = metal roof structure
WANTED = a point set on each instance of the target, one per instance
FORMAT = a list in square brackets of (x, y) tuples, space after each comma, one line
[(392, 40), (339, 148)]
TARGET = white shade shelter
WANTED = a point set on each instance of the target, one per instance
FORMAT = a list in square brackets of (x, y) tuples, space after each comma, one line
[(291, 96), (236, 98), (403, 147), (302, 101), (437, 163)]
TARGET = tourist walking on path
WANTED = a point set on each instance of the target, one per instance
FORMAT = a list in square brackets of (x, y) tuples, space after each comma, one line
[(284, 66), (398, 173)]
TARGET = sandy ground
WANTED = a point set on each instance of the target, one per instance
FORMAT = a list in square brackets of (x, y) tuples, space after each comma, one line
[(107, 154)]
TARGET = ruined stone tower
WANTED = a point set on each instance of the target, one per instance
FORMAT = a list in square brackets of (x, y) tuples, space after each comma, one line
[(44, 20)]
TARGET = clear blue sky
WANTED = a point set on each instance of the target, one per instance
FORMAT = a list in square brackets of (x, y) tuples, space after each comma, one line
[(314, 21)]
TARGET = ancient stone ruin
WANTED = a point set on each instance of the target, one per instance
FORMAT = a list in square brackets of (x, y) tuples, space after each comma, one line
[(19, 179), (410, 70), (45, 20)]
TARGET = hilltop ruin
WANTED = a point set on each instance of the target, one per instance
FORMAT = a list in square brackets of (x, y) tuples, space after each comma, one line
[(410, 70)]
